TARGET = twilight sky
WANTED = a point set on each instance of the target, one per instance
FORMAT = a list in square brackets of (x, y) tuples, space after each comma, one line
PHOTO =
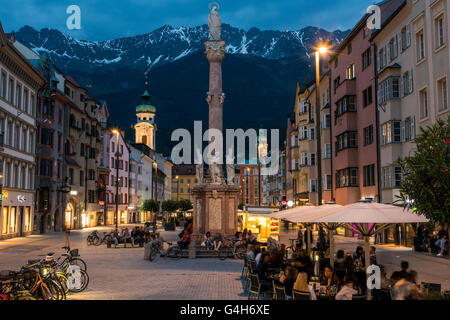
[(104, 20)]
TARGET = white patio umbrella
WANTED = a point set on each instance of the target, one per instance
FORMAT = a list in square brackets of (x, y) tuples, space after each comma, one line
[(360, 215), (316, 213)]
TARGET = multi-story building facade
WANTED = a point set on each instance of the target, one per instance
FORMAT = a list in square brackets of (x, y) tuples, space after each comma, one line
[(20, 85), (289, 149), (183, 181), (250, 189), (50, 183), (274, 186), (117, 189), (103, 162), (354, 114), (83, 144), (412, 72)]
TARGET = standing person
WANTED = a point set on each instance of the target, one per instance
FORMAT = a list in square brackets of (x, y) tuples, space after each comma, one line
[(373, 256), (67, 237), (442, 240), (322, 240), (359, 255), (300, 237)]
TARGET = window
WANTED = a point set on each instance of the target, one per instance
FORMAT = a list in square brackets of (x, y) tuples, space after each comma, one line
[(304, 159), (367, 58), (349, 49), (19, 96), (16, 136), (304, 107), (405, 37), (391, 132), (312, 185), (440, 33), (442, 94), (326, 122), (22, 177), (82, 149), (312, 133), (409, 129), (368, 135), (367, 96), (407, 83), (381, 59), (350, 72), (420, 43), (327, 151), (91, 174), (347, 178), (312, 159), (25, 100), (389, 90), (392, 49), (45, 167), (11, 90), (346, 104), (337, 83), (303, 133), (71, 180), (3, 85), (24, 139), (391, 177), (46, 137), (369, 175), (91, 196), (33, 105), (346, 140), (423, 96)]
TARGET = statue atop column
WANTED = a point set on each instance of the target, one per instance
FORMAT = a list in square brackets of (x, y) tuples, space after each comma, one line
[(214, 22)]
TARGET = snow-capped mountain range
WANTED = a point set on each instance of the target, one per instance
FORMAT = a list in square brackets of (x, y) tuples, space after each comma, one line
[(168, 44)]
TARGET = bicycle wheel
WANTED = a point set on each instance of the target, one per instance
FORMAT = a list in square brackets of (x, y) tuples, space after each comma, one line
[(174, 253), (153, 254), (97, 241), (84, 282), (63, 281), (79, 262), (49, 290)]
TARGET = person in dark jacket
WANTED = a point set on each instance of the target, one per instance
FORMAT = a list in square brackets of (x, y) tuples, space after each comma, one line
[(288, 280)]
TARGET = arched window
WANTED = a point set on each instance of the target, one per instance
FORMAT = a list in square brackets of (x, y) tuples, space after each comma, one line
[(144, 139)]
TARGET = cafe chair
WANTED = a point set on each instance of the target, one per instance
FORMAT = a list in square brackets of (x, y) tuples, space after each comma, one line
[(245, 268), (381, 295), (279, 292), (255, 289), (301, 295), (253, 268), (432, 287), (359, 297)]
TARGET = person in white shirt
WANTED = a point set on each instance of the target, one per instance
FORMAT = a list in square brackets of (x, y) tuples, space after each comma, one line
[(250, 252), (349, 288)]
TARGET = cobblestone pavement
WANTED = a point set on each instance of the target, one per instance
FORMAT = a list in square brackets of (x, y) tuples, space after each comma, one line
[(122, 273)]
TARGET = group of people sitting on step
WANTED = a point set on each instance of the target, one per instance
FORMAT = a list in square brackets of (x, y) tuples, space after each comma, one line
[(240, 239), (136, 236)]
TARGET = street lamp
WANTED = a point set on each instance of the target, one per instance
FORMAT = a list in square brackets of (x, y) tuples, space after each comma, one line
[(178, 185), (116, 132), (322, 49)]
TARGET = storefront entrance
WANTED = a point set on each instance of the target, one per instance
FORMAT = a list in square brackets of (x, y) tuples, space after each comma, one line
[(68, 216)]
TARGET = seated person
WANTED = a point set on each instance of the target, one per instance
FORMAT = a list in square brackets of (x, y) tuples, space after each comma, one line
[(125, 236), (349, 288), (301, 284), (287, 279), (116, 237), (250, 252), (251, 238), (207, 240), (239, 240), (217, 241), (406, 288), (185, 240), (327, 276)]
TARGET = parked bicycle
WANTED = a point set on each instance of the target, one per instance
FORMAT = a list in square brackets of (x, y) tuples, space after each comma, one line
[(229, 250), (157, 249), (96, 239)]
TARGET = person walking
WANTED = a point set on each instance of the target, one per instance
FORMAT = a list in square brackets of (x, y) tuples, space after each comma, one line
[(300, 237)]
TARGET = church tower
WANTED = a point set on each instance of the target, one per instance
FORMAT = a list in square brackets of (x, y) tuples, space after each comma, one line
[(145, 128)]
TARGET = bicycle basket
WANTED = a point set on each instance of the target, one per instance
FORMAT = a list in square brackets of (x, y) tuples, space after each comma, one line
[(74, 253)]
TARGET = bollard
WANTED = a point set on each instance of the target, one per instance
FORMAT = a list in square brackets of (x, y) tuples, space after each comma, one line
[(192, 250), (147, 250)]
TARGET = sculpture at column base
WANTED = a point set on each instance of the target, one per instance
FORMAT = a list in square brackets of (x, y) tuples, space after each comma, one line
[(215, 210)]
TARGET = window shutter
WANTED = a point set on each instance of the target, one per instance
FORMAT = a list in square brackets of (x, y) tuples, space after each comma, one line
[(410, 81), (402, 134), (413, 127), (408, 35), (400, 47), (293, 164), (401, 87), (396, 46), (388, 53), (378, 61)]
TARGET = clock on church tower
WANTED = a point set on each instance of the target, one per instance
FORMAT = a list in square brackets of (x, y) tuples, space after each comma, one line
[(145, 128)]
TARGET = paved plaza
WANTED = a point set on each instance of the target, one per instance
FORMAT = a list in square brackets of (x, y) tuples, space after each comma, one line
[(122, 273)]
